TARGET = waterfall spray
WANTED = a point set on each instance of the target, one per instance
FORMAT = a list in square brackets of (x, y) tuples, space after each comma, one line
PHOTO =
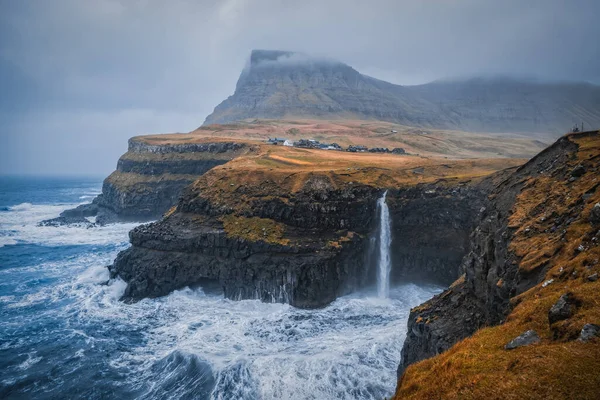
[(385, 239)]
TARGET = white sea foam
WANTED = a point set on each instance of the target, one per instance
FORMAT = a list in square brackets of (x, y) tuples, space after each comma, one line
[(20, 225), (347, 350), (31, 360), (7, 241)]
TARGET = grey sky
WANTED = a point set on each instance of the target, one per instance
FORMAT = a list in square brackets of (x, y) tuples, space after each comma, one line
[(78, 78)]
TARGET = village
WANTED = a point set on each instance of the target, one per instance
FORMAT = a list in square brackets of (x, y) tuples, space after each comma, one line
[(315, 144)]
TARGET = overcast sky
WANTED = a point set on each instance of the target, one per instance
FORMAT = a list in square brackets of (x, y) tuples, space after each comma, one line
[(78, 78)]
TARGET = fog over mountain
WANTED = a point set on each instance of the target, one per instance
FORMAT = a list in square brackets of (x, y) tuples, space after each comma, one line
[(79, 78), (287, 85)]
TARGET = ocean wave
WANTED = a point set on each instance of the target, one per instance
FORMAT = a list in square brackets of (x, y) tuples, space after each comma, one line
[(20, 225), (21, 207), (7, 241), (349, 349), (190, 341), (31, 360), (179, 375)]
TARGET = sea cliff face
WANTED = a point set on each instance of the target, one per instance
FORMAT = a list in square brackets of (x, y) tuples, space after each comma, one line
[(536, 241), (150, 178), (477, 300), (305, 246), (431, 224)]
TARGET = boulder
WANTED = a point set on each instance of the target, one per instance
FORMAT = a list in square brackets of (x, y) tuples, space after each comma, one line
[(588, 332), (562, 309), (595, 214), (525, 339), (61, 221)]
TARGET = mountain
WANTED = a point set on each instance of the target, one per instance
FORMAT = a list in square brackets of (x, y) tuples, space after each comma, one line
[(283, 85)]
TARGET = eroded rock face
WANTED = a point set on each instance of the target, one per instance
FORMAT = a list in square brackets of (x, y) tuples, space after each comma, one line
[(321, 257), (323, 250), (149, 180), (430, 227), (492, 276)]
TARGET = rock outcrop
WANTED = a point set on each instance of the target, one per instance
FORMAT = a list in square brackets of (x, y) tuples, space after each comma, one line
[(282, 84), (299, 238), (150, 178), (305, 249)]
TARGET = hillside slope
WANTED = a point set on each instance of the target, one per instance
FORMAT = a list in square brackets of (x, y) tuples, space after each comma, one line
[(532, 266), (278, 85)]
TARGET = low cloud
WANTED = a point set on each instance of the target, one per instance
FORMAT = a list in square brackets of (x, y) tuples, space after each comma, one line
[(67, 60)]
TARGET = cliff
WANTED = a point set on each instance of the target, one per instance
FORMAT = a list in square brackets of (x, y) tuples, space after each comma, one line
[(295, 225), (285, 85), (151, 176), (532, 266)]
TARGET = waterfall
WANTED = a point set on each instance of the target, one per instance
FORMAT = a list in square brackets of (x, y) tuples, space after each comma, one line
[(385, 239)]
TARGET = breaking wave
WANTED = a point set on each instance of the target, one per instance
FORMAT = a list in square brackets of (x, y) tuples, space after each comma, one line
[(65, 334)]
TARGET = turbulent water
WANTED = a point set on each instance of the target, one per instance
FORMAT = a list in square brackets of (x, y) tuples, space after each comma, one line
[(385, 240), (64, 334)]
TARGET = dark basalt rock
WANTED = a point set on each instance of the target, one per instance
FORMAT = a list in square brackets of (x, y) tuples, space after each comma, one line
[(595, 214), (308, 272), (61, 221), (430, 335), (174, 253), (562, 309), (430, 227), (578, 171), (149, 180), (492, 276), (83, 210)]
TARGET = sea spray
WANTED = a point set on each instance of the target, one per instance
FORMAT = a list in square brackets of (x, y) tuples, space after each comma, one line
[(61, 320), (385, 239)]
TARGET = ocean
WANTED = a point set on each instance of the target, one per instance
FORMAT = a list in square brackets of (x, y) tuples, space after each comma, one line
[(64, 334)]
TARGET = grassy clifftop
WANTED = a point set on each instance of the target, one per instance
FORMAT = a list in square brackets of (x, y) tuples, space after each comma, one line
[(278, 171)]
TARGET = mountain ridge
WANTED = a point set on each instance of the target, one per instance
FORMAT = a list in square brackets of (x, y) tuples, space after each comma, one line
[(282, 84)]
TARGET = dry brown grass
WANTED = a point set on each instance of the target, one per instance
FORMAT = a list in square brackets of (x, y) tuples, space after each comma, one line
[(278, 171), (254, 229), (427, 142), (559, 367)]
